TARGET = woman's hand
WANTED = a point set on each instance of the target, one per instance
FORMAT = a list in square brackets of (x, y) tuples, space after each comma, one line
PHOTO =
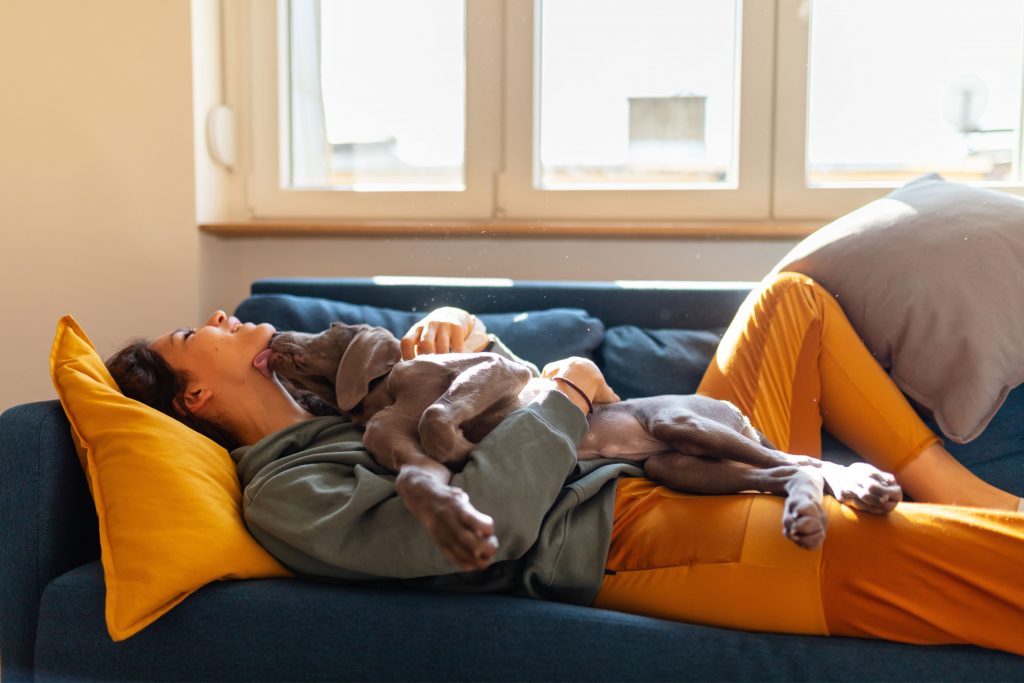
[(444, 330), (584, 375)]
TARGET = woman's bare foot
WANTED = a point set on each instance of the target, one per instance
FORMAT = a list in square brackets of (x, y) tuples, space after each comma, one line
[(862, 486), (464, 534), (804, 519)]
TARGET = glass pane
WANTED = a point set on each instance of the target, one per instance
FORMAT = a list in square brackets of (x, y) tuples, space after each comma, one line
[(638, 93), (904, 87), (392, 96)]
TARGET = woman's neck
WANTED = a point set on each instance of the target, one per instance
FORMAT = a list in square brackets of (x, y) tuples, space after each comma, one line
[(263, 413)]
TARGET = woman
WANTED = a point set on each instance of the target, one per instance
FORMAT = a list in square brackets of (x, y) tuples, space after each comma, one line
[(790, 360)]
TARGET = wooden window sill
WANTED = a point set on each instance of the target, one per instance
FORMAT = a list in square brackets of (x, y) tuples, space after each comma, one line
[(522, 229)]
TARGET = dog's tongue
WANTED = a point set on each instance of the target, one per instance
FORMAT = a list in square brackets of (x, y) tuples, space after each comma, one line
[(262, 362)]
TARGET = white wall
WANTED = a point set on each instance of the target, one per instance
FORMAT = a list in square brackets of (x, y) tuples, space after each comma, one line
[(97, 212), (231, 264)]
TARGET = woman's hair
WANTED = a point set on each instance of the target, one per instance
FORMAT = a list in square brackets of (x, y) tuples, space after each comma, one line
[(143, 375)]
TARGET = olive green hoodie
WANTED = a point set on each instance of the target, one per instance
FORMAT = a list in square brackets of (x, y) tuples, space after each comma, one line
[(317, 500)]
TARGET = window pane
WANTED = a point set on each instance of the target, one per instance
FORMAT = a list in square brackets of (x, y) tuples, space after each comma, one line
[(638, 93), (391, 98), (904, 87)]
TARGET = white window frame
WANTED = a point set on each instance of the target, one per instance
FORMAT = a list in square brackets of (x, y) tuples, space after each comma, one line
[(748, 199), (793, 198), (501, 157), (268, 198)]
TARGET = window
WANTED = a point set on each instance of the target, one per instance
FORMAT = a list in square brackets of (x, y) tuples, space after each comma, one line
[(637, 94), (382, 109), (625, 110), (935, 87), (873, 93), (381, 104)]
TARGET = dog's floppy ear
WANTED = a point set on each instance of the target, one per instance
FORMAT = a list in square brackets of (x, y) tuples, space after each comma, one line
[(371, 354)]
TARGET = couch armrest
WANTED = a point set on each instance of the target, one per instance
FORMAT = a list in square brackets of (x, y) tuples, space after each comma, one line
[(47, 522)]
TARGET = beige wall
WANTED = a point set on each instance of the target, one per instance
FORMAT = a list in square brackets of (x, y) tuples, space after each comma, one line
[(96, 177)]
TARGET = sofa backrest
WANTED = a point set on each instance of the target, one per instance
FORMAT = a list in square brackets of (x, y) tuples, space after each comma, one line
[(648, 304), (648, 337)]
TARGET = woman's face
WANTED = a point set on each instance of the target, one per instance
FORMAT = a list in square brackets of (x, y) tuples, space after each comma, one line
[(220, 351)]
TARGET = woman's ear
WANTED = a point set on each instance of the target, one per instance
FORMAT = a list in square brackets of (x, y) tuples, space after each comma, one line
[(195, 399)]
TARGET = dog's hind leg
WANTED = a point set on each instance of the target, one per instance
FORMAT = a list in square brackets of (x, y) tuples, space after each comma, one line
[(695, 434), (862, 486), (803, 521)]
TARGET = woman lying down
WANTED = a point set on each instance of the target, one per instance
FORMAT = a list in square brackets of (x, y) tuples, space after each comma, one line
[(524, 515)]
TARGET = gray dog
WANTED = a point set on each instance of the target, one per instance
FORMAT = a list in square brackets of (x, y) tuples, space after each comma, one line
[(424, 415)]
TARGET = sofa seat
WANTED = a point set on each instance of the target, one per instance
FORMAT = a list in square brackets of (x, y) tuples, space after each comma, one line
[(303, 630)]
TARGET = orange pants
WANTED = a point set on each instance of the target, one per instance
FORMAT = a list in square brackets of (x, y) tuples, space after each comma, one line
[(922, 574)]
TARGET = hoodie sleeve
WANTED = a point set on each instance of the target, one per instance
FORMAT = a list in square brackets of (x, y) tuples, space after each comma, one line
[(497, 346), (326, 510)]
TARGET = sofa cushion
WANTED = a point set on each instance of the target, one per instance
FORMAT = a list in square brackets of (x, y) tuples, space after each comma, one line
[(537, 336), (167, 498), (641, 362), (300, 630), (932, 278)]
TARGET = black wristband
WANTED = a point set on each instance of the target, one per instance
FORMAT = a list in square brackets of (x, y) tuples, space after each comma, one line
[(571, 384)]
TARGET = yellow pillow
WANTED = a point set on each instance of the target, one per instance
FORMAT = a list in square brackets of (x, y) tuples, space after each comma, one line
[(167, 498)]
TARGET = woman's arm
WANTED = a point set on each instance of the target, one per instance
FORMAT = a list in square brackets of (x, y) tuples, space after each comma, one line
[(453, 330), (493, 508), (328, 510)]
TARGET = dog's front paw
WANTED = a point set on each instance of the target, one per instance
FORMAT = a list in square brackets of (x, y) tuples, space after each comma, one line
[(463, 534), (441, 438)]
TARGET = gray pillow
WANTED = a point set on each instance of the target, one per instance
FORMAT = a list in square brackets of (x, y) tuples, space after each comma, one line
[(932, 278)]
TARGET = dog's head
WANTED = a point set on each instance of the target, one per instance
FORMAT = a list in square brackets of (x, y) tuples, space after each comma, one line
[(295, 354), (347, 357)]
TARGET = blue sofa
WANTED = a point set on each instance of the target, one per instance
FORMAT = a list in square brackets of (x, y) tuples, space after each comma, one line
[(52, 597)]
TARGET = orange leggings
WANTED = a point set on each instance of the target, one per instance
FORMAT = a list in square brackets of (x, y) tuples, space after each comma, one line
[(922, 574)]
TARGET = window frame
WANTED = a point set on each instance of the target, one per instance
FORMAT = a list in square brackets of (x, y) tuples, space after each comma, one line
[(267, 198), (502, 114), (793, 198), (748, 200)]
